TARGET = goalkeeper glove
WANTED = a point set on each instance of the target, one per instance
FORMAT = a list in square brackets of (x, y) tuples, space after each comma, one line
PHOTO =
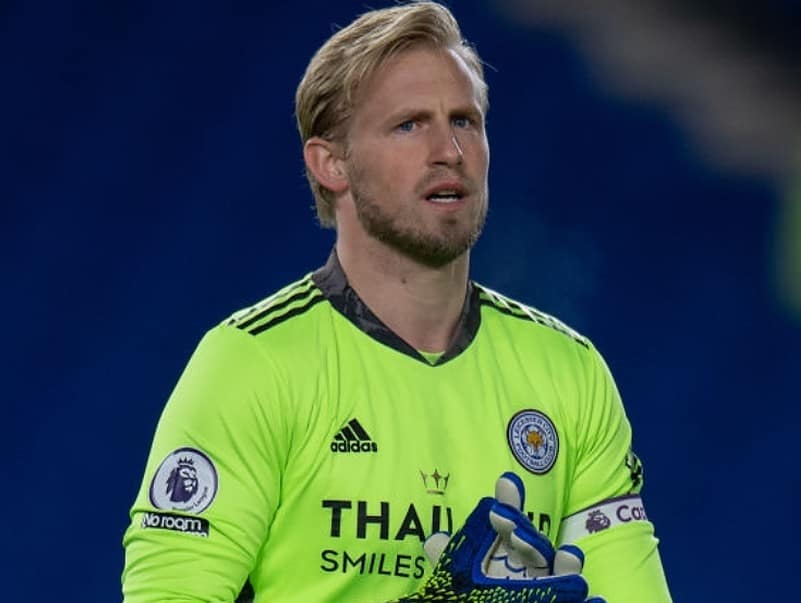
[(499, 557)]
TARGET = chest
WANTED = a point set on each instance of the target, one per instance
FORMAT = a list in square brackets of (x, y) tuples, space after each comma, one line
[(393, 449)]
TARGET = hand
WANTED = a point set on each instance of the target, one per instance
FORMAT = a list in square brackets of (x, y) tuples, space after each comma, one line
[(499, 557), (520, 551)]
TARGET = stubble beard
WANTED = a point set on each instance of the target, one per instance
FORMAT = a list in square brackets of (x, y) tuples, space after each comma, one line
[(430, 249)]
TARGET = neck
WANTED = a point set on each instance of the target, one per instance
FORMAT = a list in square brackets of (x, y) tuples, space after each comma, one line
[(422, 305)]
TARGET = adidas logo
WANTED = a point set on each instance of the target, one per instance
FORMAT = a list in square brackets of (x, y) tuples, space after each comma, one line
[(353, 438)]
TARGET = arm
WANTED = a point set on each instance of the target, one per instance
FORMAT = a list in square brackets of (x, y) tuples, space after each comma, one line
[(211, 483), (605, 515)]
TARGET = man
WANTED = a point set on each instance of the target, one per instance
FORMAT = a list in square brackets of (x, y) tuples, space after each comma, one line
[(316, 439)]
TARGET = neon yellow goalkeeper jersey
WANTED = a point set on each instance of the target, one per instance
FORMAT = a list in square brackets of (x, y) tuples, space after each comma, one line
[(309, 450)]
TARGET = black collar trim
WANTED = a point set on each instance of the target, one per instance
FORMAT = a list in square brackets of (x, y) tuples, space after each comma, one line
[(333, 283)]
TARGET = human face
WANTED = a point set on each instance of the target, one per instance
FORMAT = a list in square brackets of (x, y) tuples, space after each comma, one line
[(417, 157)]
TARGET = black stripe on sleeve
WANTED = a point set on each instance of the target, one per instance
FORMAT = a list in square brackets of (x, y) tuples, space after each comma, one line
[(274, 308), (319, 297), (518, 312)]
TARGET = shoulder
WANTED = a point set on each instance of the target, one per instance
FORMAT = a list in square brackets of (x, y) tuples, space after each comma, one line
[(273, 332), (282, 307), (508, 307)]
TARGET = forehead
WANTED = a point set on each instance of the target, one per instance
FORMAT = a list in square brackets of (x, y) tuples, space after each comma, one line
[(418, 76)]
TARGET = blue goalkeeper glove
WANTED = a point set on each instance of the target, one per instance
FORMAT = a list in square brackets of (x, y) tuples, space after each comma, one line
[(499, 557)]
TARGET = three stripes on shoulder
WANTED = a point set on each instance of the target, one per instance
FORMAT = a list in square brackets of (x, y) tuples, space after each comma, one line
[(493, 299), (300, 296), (290, 301)]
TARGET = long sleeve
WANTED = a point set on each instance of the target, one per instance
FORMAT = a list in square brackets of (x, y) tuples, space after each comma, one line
[(212, 481), (605, 514)]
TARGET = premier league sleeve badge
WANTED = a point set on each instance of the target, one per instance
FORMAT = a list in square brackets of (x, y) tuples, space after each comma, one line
[(185, 481)]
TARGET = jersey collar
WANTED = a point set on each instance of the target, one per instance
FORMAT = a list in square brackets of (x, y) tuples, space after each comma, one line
[(331, 280)]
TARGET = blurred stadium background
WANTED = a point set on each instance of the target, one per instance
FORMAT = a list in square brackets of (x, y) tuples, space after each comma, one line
[(645, 188)]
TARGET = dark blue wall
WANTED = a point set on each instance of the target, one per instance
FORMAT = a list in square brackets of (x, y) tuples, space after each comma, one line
[(152, 183)]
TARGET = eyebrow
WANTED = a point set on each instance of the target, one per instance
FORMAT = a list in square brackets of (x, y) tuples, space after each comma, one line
[(473, 111)]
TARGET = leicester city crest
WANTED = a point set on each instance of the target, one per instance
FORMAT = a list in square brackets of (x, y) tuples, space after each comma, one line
[(185, 481), (533, 440)]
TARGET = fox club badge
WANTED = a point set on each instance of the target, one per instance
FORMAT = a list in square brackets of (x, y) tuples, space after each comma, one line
[(185, 481), (533, 440)]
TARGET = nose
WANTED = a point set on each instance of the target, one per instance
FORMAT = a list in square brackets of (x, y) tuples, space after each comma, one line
[(446, 148)]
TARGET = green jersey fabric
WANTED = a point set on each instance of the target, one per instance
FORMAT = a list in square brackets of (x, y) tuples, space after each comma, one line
[(309, 450)]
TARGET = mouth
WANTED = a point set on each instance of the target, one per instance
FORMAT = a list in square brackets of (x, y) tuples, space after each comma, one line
[(446, 193)]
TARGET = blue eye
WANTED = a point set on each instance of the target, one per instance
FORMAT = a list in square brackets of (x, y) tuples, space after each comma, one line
[(406, 126), (461, 122)]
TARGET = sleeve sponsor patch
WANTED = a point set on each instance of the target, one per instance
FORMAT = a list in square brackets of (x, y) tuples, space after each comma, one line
[(177, 523), (603, 516)]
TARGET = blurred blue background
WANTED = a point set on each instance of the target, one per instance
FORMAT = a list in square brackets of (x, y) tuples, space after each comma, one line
[(152, 183)]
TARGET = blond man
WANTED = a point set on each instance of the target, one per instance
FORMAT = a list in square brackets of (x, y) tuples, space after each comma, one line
[(319, 438)]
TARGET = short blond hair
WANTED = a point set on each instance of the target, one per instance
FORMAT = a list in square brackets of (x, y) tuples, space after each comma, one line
[(326, 95)]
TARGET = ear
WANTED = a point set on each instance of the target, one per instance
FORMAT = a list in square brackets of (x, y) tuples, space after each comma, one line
[(324, 159)]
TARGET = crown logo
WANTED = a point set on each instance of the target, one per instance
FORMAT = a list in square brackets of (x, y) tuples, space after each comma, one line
[(186, 462), (435, 483)]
